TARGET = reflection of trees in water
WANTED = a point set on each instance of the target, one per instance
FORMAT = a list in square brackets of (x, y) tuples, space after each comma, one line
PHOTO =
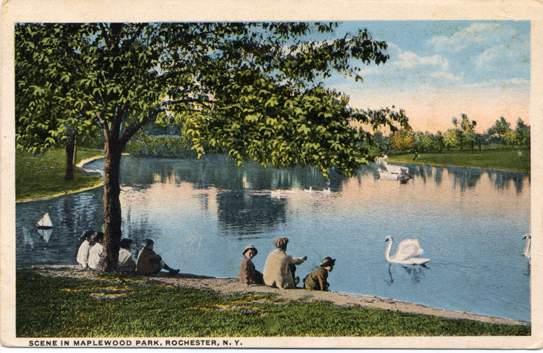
[(503, 180), (465, 178), (424, 172), (137, 228), (242, 214), (223, 173)]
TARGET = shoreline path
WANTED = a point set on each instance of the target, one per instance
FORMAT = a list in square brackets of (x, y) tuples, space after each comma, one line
[(232, 285)]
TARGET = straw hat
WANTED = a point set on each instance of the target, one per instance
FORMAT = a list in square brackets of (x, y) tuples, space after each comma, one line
[(249, 247), (328, 261)]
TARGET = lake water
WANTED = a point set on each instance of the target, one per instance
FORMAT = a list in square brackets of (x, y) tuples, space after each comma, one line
[(202, 213)]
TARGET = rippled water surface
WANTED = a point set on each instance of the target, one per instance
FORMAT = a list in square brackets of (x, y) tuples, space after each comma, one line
[(202, 213)]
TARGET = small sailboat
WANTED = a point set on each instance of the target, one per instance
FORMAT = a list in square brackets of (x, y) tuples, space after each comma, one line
[(45, 227), (45, 222)]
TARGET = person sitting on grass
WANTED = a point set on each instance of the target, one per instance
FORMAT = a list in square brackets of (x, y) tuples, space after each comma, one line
[(97, 253), (149, 263), (317, 279), (247, 271), (280, 268), (82, 255), (126, 263)]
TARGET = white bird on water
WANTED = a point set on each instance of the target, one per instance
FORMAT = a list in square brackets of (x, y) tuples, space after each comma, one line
[(527, 245), (407, 253)]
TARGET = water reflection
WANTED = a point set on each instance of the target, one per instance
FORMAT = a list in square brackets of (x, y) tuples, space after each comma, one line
[(415, 273), (242, 214), (202, 213), (468, 178)]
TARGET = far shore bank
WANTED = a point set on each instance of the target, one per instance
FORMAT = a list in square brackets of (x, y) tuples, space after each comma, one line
[(513, 160), (42, 177)]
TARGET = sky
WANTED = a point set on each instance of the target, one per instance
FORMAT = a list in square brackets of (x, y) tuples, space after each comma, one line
[(440, 69)]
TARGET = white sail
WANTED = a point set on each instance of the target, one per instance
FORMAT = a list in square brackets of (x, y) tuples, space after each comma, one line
[(45, 221)]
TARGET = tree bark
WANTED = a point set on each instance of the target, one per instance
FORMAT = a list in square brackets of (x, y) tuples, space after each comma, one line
[(112, 203), (70, 155)]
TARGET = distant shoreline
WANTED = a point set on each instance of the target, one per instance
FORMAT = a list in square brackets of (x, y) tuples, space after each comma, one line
[(81, 167), (495, 160)]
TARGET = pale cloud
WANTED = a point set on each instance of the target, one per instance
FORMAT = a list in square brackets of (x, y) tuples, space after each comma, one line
[(489, 55), (476, 33), (407, 61), (512, 55), (410, 60), (447, 76)]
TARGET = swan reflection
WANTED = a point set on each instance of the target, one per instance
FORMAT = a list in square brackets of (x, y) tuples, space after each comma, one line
[(415, 273)]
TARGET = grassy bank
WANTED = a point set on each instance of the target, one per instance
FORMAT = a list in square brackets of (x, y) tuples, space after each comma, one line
[(132, 306), (495, 159), (43, 175)]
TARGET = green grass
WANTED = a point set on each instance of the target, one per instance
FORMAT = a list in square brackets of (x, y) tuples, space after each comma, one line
[(43, 175), (66, 307), (495, 159)]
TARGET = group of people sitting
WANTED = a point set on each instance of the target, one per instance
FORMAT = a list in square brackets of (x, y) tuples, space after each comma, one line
[(91, 254), (280, 269)]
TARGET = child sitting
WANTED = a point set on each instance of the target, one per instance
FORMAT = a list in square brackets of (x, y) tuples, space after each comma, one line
[(126, 263), (247, 271), (82, 256), (316, 280), (97, 253)]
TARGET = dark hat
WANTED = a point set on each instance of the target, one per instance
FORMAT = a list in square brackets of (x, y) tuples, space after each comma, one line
[(125, 243), (148, 242), (250, 247), (328, 261), (281, 242), (87, 235)]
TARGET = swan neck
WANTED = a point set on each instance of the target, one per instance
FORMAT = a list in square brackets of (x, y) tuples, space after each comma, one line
[(387, 250), (527, 247)]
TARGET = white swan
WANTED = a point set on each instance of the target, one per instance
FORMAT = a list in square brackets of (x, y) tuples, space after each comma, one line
[(527, 245), (309, 190), (407, 252)]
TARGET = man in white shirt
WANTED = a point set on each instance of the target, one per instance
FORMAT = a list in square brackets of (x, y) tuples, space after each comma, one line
[(97, 253), (82, 256)]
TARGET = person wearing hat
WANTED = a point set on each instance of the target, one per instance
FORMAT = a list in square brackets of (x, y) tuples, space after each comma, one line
[(149, 262), (126, 263), (280, 267), (247, 271), (317, 279)]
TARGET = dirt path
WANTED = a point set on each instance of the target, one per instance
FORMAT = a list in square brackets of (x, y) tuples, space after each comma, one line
[(232, 285)]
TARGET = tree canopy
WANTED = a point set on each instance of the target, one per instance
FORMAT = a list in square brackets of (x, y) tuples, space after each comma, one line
[(253, 90)]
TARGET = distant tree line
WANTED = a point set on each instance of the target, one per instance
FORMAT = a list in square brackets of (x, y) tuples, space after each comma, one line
[(461, 136)]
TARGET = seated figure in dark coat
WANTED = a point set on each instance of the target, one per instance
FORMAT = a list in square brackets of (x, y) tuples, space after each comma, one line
[(247, 271)]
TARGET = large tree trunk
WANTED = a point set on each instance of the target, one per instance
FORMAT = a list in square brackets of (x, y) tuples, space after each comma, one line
[(112, 204), (70, 155)]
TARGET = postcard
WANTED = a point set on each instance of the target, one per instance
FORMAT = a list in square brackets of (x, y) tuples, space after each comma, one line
[(207, 174)]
